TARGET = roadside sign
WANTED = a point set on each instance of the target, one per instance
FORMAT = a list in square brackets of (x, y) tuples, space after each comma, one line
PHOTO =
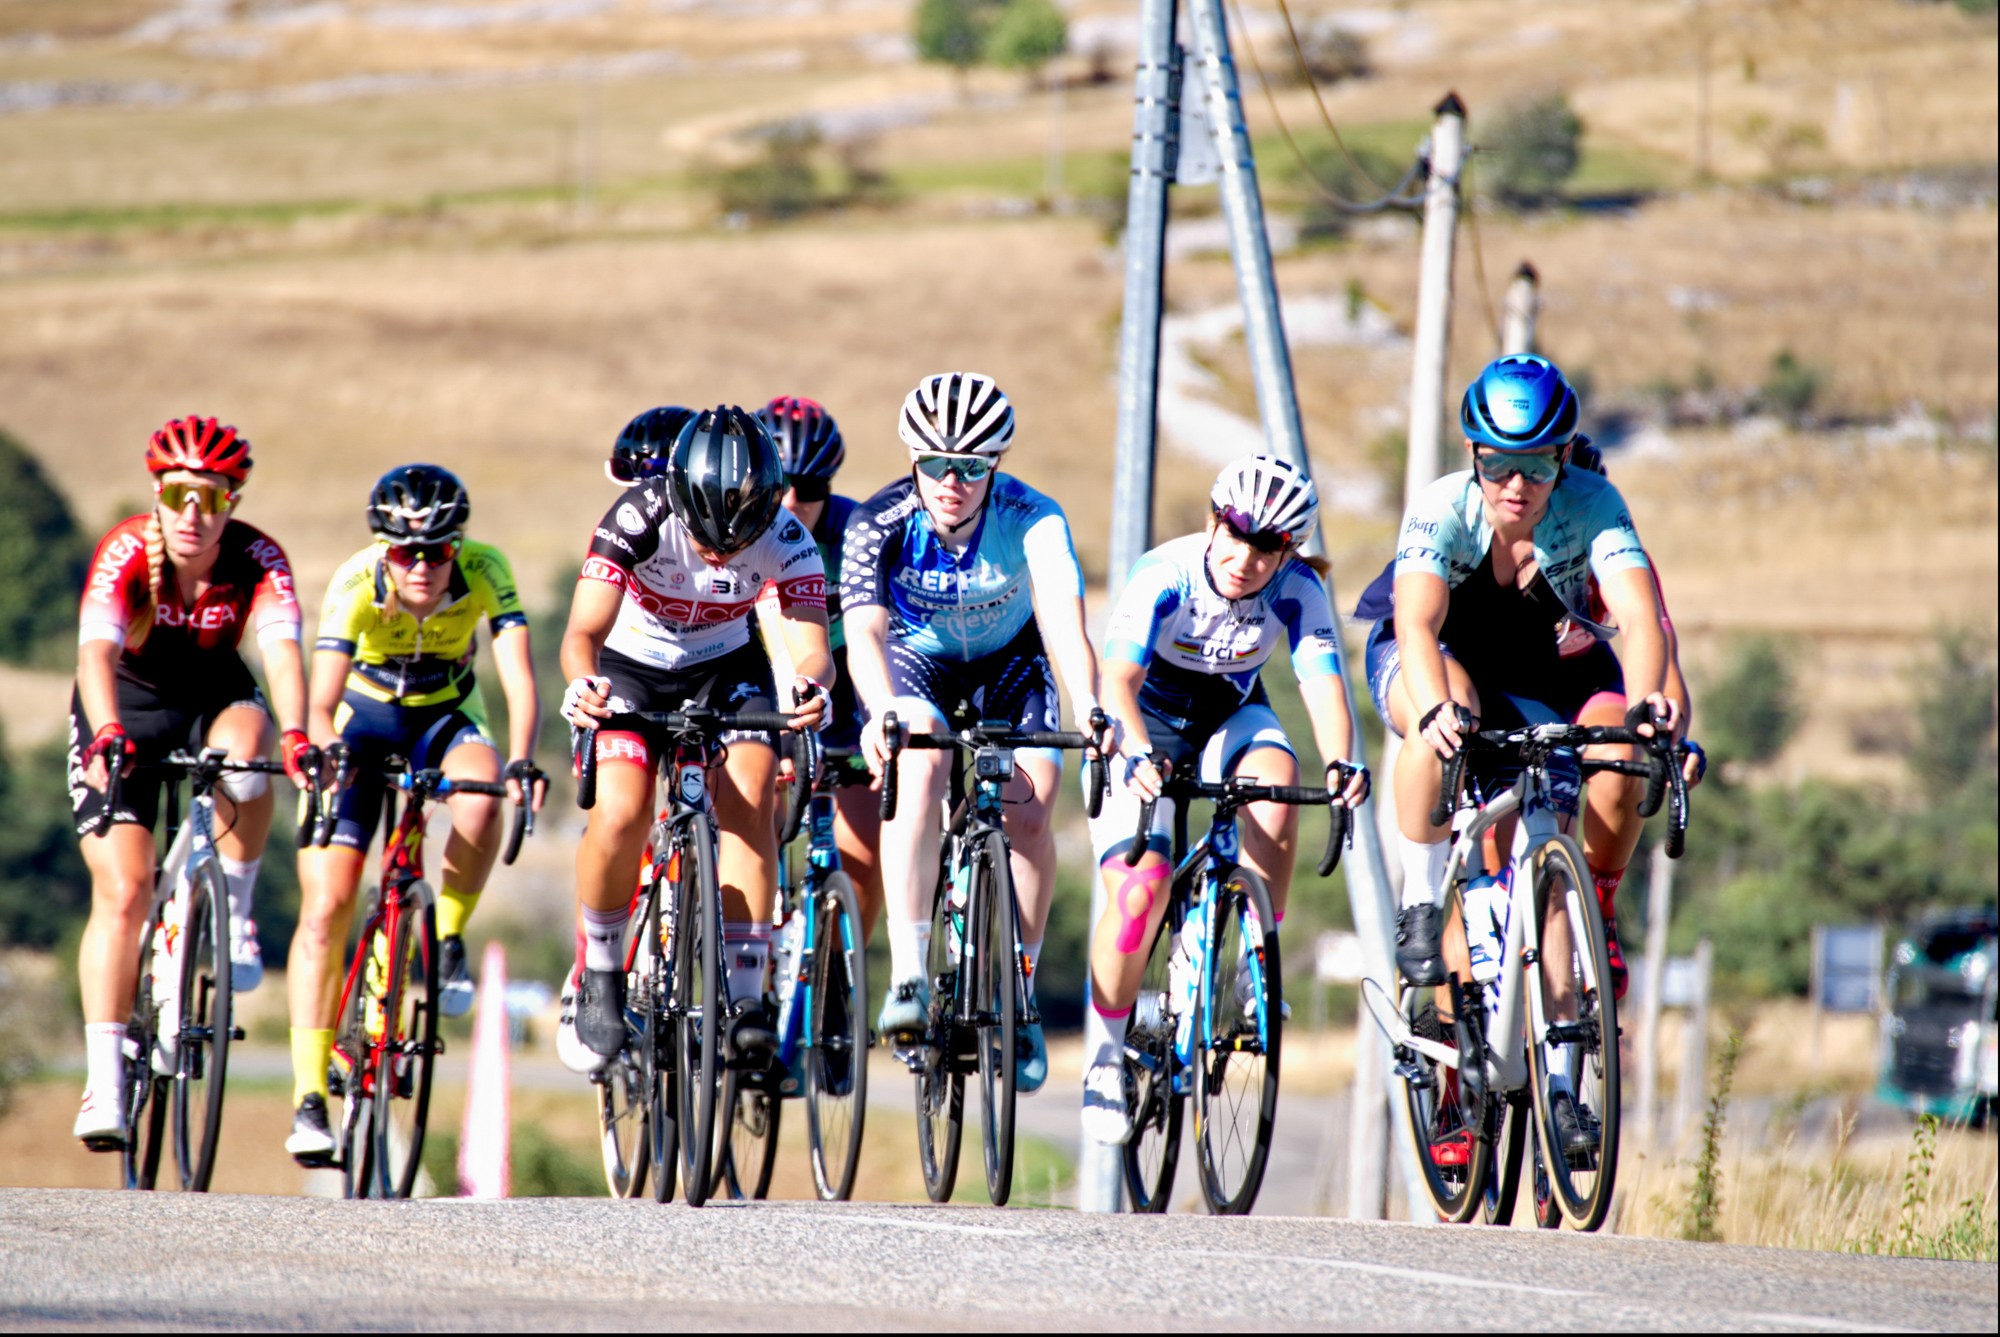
[(1847, 968)]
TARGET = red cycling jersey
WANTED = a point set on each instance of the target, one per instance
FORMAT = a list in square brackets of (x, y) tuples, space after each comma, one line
[(251, 582)]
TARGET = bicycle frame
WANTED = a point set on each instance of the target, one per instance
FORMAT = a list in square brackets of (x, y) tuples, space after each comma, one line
[(402, 867), (795, 997)]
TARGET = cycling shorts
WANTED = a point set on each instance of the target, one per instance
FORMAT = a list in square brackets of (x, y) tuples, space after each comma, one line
[(377, 730), (1212, 755), (1013, 684), (740, 679), (1568, 689), (157, 725)]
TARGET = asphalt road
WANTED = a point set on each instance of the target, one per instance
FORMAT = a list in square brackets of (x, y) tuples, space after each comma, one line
[(103, 1260)]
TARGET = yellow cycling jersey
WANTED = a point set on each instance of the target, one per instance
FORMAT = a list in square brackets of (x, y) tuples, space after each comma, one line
[(399, 658)]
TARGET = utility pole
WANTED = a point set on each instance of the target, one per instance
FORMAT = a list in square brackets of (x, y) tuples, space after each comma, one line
[(1659, 914), (1523, 308), (1433, 334)]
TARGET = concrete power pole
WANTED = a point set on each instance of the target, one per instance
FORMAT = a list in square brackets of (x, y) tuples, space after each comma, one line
[(1523, 309), (1659, 916), (1433, 336)]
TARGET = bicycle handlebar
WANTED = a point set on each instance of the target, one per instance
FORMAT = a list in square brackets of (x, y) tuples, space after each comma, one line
[(433, 783), (895, 737), (1237, 791), (693, 720), (209, 765)]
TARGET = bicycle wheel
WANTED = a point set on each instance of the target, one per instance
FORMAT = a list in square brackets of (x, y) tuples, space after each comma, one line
[(836, 1039), (940, 1078), (1547, 1214), (1508, 1126), (698, 1005), (1152, 1065), (357, 1145), (202, 1056), (145, 1094), (996, 997), (1447, 1115), (1574, 965), (747, 1135), (659, 1038), (409, 1043), (624, 1129), (1237, 1032)]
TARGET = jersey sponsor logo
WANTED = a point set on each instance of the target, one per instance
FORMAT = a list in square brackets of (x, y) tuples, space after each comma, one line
[(606, 536), (680, 577), (621, 747), (1426, 527), (802, 591), (598, 568), (722, 583), (629, 519), (104, 576), (686, 612), (801, 555), (791, 533), (655, 503), (202, 617)]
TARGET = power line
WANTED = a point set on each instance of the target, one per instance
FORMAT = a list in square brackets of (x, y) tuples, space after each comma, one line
[(1478, 253), (1305, 71)]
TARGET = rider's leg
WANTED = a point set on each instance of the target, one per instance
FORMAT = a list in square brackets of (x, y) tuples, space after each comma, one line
[(1611, 821), (1270, 831), (910, 847), (744, 790), (327, 882), (474, 841), (243, 803), (857, 830), (1030, 803), (1419, 780), (607, 858), (121, 891)]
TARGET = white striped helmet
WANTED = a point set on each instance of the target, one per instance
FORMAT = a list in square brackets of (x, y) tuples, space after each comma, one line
[(957, 413), (1263, 494)]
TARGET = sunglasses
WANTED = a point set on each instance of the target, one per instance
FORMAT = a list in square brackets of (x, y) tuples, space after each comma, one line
[(965, 468), (210, 498), (1497, 466), (1243, 529), (410, 555), (809, 489)]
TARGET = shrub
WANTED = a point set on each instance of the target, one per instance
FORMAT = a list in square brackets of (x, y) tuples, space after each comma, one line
[(1333, 53), (1954, 710), (1027, 35), (952, 32), (42, 554), (782, 184), (1534, 149), (1752, 710), (1792, 388)]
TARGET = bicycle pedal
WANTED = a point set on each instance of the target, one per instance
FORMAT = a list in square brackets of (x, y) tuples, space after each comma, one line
[(237, 1033)]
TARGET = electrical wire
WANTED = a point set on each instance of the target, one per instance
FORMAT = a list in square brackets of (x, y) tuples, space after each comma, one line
[(1305, 72), (1471, 197)]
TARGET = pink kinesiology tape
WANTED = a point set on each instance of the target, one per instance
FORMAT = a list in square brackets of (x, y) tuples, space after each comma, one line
[(1140, 885)]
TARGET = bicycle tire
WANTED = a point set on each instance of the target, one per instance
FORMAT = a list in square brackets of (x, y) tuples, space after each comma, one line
[(1152, 1069), (940, 1078), (997, 993), (1582, 1186), (747, 1135), (698, 1004), (1236, 1059), (1548, 1215), (353, 1044), (836, 1039), (201, 1055), (624, 1114), (404, 1059), (659, 1041), (145, 1093), (1507, 1120), (1447, 1120), (357, 1146)]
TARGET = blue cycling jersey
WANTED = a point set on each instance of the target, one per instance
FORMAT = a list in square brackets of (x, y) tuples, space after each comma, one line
[(961, 604)]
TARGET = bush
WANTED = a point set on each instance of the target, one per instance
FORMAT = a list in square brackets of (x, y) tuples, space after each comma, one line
[(1955, 715), (952, 32), (1752, 710), (1534, 149), (43, 556), (1333, 53), (1322, 169), (783, 184), (44, 888), (1792, 388), (1027, 35)]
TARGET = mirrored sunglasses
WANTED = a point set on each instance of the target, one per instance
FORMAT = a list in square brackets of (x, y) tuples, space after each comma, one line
[(1497, 466), (1244, 529), (411, 555), (209, 497), (966, 468)]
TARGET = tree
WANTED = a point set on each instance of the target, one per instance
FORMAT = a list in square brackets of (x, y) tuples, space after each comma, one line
[(1752, 710), (42, 554), (44, 887), (953, 32), (1954, 709), (1534, 149), (1027, 35)]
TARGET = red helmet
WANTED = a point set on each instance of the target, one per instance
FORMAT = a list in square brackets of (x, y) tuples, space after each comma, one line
[(200, 444)]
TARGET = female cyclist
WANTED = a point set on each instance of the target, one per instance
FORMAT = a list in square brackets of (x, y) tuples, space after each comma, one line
[(660, 619), (168, 597), (1195, 624), (950, 582), (810, 445), (392, 676)]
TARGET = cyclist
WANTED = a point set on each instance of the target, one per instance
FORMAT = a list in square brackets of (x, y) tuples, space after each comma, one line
[(164, 609), (392, 676), (810, 444), (1182, 657), (950, 582), (661, 618), (1490, 562)]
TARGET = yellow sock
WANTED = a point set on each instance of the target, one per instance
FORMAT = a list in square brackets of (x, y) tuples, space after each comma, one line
[(311, 1051), (454, 910)]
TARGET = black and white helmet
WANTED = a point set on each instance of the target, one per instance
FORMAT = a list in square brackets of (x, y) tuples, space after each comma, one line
[(724, 478), (957, 413), (418, 503), (1262, 494)]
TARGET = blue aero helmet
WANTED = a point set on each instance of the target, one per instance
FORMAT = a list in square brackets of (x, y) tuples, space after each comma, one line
[(1519, 403)]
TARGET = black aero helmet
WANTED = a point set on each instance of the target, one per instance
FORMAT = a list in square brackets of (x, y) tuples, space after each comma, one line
[(724, 478), (418, 503), (640, 452), (808, 439)]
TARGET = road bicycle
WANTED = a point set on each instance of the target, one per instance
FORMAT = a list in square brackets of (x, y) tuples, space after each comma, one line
[(978, 967), (385, 1038), (1528, 996), (182, 1022), (657, 1097), (1209, 1016)]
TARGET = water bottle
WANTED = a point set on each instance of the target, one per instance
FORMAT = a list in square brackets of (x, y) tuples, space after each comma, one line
[(785, 959), (1486, 908)]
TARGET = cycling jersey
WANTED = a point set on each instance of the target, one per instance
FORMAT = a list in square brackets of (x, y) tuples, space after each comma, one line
[(402, 659), (250, 582), (1172, 621), (962, 605), (830, 533), (679, 610)]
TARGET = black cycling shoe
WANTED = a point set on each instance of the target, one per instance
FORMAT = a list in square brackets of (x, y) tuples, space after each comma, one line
[(454, 978), (1417, 954), (311, 1139), (752, 1035), (1576, 1131), (600, 1012)]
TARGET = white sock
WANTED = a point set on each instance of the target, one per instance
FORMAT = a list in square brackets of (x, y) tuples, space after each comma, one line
[(1562, 1060), (1034, 951), (1103, 1037), (749, 952), (104, 1057), (1423, 869), (909, 950), (241, 875), (604, 938)]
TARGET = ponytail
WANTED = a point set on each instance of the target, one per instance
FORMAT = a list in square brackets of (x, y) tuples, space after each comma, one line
[(156, 569), (1320, 565)]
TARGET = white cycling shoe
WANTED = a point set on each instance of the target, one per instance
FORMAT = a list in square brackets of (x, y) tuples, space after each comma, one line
[(100, 1124), (246, 956), (1106, 1117)]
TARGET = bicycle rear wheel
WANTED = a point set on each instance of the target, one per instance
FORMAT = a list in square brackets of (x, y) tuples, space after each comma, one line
[(940, 1078), (1447, 1115), (996, 998), (836, 1039), (659, 1038), (1237, 1033), (202, 1054), (624, 1086), (409, 1043), (747, 1136), (1508, 1120), (146, 1095), (698, 1004), (1152, 1066), (1575, 966)]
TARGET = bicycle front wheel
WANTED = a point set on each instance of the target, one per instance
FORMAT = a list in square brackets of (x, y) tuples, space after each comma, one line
[(659, 1038), (1152, 1075), (1575, 1063), (404, 1059), (1237, 1032), (996, 997), (1508, 1119), (747, 1134), (698, 1004), (940, 1077), (1447, 1114), (836, 1039), (202, 1055), (146, 1095)]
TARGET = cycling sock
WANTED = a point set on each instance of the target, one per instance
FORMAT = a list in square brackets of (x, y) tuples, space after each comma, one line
[(1423, 868), (909, 950), (104, 1057), (1034, 951), (1607, 889), (241, 874), (603, 938), (454, 910), (747, 951), (312, 1049), (1103, 1034)]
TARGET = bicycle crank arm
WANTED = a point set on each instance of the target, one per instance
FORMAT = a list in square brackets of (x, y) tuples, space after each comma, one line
[(1392, 1025), (1567, 1033)]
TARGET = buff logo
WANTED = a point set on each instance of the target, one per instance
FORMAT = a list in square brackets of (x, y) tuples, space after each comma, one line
[(1428, 528)]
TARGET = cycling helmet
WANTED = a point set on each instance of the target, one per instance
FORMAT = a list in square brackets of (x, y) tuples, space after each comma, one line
[(1262, 494), (724, 480), (640, 452), (807, 437), (1519, 403), (418, 503), (957, 413), (200, 444)]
